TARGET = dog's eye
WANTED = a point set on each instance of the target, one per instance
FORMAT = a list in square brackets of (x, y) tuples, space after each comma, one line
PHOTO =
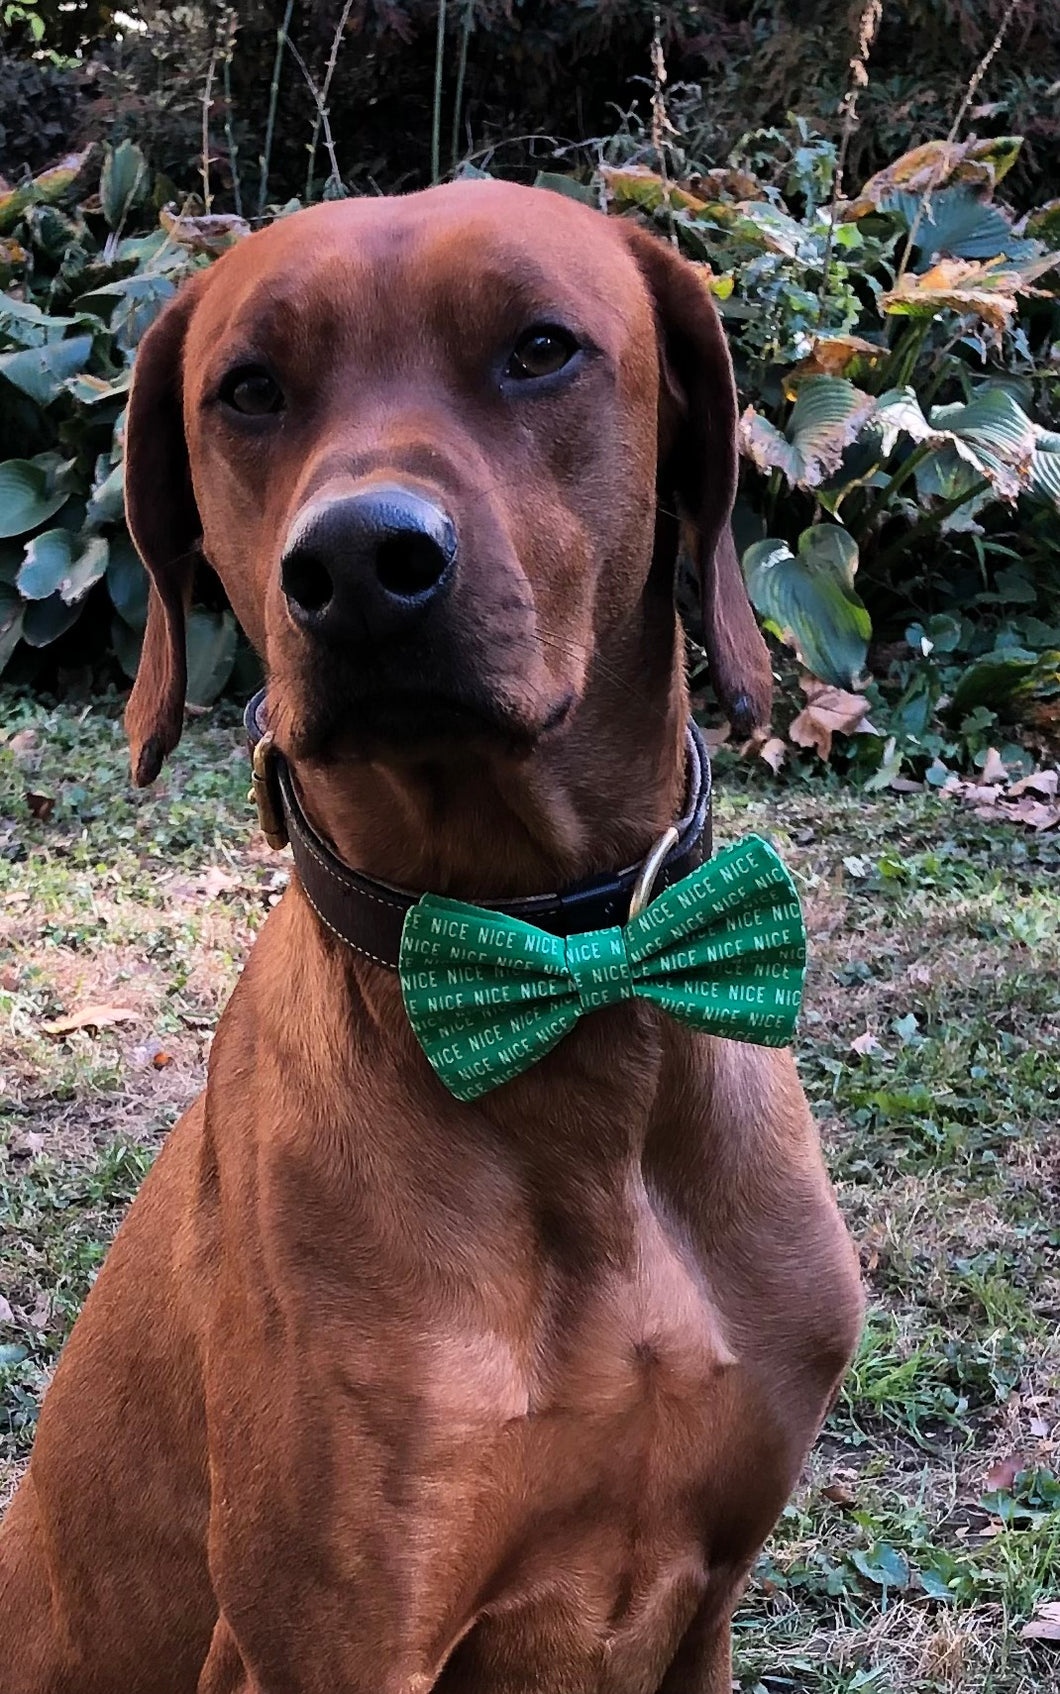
[(251, 390), (542, 351)]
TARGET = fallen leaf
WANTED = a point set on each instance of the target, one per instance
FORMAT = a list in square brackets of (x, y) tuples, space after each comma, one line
[(1001, 1476), (865, 1043), (828, 711), (920, 974), (215, 881), (23, 741), (773, 752), (1035, 813), (839, 1494), (27, 1145), (90, 1017), (1042, 783), (41, 806), (716, 736), (1045, 1624), (161, 1060), (6, 1314), (994, 768), (40, 1316)]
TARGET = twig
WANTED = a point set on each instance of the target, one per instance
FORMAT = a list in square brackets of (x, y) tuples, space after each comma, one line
[(329, 72), (436, 113), (322, 112), (461, 73), (230, 137), (207, 100), (924, 208), (274, 95), (660, 121), (868, 24)]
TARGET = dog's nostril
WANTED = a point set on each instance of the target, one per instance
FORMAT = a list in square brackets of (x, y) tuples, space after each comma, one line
[(306, 581), (410, 564)]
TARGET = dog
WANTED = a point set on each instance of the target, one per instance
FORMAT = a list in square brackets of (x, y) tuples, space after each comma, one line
[(381, 1390)]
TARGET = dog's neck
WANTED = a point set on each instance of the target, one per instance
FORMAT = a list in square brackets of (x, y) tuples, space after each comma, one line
[(485, 824)]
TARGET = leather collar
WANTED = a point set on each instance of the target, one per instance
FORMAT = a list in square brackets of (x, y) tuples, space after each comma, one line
[(368, 914)]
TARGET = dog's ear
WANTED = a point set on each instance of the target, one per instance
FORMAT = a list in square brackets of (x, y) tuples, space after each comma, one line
[(698, 469), (164, 523)]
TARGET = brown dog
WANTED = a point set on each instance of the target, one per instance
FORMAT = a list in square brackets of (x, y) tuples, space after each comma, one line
[(378, 1392)]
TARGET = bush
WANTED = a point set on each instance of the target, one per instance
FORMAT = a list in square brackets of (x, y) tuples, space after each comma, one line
[(80, 295), (898, 509)]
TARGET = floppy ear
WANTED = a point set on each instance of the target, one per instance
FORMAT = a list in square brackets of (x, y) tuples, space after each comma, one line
[(164, 523), (698, 468)]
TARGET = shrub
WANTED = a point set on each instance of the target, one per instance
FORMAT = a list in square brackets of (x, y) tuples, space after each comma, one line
[(80, 295)]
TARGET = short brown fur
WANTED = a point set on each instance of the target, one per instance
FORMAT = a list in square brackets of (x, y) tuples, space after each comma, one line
[(377, 1392)]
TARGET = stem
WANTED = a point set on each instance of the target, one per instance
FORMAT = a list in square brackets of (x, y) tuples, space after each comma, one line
[(890, 555), (322, 111), (230, 138), (867, 27), (207, 97), (265, 157), (461, 72), (329, 72), (436, 113), (924, 208)]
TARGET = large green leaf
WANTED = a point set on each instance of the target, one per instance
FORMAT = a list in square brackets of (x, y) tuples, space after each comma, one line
[(26, 498), (45, 620), (130, 306), (211, 654), (568, 186), (108, 497), (127, 583), (1008, 679), (87, 568), (123, 182), (40, 372), (1044, 481), (959, 225), (46, 564), (11, 613), (828, 414), (810, 601), (991, 434)]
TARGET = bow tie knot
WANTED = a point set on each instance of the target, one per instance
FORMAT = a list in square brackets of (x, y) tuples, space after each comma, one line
[(723, 950)]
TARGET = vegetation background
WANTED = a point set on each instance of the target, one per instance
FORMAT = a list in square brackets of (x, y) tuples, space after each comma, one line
[(873, 197)]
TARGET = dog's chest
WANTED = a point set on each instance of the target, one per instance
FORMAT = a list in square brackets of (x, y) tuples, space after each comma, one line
[(584, 1455)]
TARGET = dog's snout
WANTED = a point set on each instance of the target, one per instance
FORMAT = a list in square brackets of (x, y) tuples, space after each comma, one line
[(367, 565)]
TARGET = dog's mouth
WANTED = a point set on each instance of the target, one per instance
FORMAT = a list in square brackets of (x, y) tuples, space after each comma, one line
[(375, 722)]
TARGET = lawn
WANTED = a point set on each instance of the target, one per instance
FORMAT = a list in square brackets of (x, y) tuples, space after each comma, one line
[(927, 1528)]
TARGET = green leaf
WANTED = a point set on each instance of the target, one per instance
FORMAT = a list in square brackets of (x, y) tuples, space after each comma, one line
[(567, 185), (87, 568), (11, 614), (45, 620), (1004, 681), (1044, 480), (108, 497), (46, 564), (882, 1565), (123, 182), (810, 601), (131, 306), (127, 583), (26, 501), (40, 372), (959, 225), (211, 654), (827, 416)]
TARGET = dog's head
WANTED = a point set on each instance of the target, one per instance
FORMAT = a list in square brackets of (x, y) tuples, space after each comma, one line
[(437, 449)]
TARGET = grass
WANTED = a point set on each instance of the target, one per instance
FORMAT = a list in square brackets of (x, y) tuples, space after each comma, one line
[(927, 1527)]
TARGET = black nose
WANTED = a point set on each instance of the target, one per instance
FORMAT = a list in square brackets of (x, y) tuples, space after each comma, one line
[(369, 565)]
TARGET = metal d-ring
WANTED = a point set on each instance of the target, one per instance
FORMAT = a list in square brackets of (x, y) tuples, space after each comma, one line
[(649, 870)]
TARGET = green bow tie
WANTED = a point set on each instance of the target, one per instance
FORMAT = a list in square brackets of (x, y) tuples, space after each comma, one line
[(723, 950)]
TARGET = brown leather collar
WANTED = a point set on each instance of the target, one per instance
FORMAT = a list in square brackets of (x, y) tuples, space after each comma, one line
[(368, 914)]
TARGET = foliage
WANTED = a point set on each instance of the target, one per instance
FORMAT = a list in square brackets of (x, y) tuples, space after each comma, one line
[(899, 361), (81, 294)]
